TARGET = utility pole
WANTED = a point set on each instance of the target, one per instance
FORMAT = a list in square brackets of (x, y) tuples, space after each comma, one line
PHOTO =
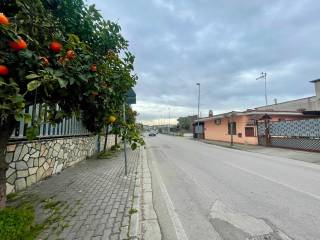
[(169, 121), (264, 76), (198, 135)]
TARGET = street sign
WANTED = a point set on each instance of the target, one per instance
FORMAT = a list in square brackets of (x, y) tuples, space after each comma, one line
[(131, 97)]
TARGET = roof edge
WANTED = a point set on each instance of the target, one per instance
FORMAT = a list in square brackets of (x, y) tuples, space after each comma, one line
[(316, 80), (246, 113)]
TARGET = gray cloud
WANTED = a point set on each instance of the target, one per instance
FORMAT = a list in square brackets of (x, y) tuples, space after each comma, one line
[(222, 44)]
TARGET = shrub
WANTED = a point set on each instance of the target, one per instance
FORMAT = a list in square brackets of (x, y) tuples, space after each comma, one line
[(115, 147), (105, 154)]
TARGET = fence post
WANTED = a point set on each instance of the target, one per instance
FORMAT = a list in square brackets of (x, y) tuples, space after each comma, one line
[(267, 132)]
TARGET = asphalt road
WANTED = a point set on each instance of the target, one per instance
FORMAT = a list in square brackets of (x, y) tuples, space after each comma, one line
[(202, 192)]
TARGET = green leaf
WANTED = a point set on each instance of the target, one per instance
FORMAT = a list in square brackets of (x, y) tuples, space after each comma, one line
[(32, 76), (17, 99), (83, 78), (32, 132), (26, 53), (18, 116), (33, 85), (59, 115), (58, 73), (27, 118), (134, 146), (62, 82), (71, 80)]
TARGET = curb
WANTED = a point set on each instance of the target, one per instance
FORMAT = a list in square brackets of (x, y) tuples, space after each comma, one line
[(144, 224)]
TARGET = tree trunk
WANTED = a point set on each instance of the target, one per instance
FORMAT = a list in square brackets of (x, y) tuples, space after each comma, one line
[(106, 139), (6, 129), (116, 139)]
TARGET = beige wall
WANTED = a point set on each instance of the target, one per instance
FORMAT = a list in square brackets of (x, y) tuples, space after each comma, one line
[(220, 132), (317, 89), (309, 104)]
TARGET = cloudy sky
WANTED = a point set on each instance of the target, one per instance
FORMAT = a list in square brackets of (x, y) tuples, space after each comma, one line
[(224, 45)]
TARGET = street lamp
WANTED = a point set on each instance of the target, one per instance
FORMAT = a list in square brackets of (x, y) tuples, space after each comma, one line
[(264, 76), (169, 121), (198, 135)]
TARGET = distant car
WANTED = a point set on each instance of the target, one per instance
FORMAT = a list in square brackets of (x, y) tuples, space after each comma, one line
[(152, 134)]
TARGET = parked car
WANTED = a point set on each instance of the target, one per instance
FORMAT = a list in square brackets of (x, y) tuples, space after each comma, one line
[(152, 134)]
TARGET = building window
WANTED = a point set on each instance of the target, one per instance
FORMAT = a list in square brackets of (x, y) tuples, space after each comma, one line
[(232, 128), (217, 121), (249, 131)]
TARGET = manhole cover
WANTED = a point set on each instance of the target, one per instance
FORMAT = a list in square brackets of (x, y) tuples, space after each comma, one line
[(269, 236)]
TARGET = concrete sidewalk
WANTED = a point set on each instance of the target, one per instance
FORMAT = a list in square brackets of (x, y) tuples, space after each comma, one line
[(93, 200), (311, 157), (145, 224)]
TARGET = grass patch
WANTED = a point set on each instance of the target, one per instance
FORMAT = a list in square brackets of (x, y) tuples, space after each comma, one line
[(18, 223), (133, 211), (109, 153), (51, 204), (105, 155), (115, 147), (21, 198), (18, 220), (12, 196)]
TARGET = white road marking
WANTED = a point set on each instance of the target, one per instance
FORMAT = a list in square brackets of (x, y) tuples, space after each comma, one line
[(246, 223), (283, 235), (274, 181), (251, 225), (180, 233)]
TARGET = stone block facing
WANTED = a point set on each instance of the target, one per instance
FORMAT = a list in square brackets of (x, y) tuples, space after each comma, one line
[(30, 162)]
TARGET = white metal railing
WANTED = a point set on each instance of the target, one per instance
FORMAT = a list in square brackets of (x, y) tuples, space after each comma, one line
[(67, 127)]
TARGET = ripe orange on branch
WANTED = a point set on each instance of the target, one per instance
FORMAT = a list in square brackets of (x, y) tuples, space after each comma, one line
[(18, 45), (112, 119), (55, 47), (3, 70), (3, 19), (71, 55), (44, 60), (62, 60), (93, 68)]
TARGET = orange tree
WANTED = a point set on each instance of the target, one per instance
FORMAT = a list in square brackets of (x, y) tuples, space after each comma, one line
[(58, 53), (130, 130)]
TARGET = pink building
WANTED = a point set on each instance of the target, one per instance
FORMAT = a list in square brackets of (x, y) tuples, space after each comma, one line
[(242, 125)]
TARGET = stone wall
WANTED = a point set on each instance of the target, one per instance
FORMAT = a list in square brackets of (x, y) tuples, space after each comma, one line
[(110, 141), (30, 162)]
